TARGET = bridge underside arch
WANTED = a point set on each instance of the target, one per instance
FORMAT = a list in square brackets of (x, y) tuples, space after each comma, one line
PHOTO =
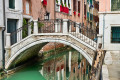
[(33, 48)]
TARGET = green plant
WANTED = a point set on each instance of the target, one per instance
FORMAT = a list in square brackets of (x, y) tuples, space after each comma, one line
[(62, 4), (24, 29), (40, 24), (57, 1), (65, 5), (69, 5)]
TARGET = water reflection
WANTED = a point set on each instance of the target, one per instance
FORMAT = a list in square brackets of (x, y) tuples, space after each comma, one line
[(68, 65), (71, 66)]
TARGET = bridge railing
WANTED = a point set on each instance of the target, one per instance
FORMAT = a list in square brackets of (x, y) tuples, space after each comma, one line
[(53, 26)]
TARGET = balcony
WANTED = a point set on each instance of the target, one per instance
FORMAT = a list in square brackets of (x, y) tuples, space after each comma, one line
[(63, 8)]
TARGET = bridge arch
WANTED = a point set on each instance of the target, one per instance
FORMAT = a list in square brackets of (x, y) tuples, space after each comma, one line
[(46, 40)]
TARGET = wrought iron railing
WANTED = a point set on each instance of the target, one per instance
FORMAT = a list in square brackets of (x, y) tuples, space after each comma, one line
[(21, 33), (49, 26)]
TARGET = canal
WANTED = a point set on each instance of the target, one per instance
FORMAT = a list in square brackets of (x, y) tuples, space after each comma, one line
[(58, 65)]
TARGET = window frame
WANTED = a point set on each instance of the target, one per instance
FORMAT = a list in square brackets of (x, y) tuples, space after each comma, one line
[(111, 6), (74, 5), (114, 26), (12, 6)]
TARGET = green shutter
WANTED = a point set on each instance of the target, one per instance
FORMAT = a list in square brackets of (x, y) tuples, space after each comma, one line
[(91, 16), (87, 0), (88, 15), (91, 2), (12, 4), (116, 34)]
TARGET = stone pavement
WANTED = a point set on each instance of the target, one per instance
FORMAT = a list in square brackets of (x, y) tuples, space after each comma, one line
[(111, 68)]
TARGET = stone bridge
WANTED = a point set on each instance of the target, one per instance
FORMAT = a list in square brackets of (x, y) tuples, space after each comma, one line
[(34, 42)]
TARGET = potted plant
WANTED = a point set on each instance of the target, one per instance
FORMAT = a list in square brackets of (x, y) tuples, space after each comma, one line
[(79, 14), (45, 2), (74, 13), (69, 5), (57, 1), (61, 7), (85, 16), (65, 8)]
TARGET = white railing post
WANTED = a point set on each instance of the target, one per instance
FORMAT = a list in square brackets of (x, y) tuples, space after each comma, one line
[(56, 27), (70, 28), (99, 40), (77, 27), (29, 29), (65, 26), (8, 40), (70, 54), (7, 47), (35, 27)]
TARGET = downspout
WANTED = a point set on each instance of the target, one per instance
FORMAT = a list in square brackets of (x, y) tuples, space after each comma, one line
[(103, 28), (3, 46), (54, 9), (104, 23)]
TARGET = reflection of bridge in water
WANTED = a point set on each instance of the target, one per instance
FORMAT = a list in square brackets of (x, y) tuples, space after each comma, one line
[(61, 31)]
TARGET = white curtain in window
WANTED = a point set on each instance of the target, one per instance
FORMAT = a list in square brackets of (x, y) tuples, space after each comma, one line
[(27, 7)]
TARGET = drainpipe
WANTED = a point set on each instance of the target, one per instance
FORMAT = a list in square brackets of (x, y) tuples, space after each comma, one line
[(3, 46), (103, 28), (54, 9)]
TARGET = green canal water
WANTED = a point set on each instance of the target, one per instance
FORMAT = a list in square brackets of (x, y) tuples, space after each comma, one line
[(55, 67)]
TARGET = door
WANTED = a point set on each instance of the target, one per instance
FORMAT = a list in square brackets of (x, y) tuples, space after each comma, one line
[(11, 28)]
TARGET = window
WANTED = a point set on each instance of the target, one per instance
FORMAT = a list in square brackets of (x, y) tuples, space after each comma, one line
[(64, 1), (79, 6), (115, 5), (27, 7), (84, 9), (115, 34), (12, 4), (74, 5)]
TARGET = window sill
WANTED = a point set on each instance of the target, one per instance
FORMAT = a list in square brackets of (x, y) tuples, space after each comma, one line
[(110, 12), (13, 10), (63, 13)]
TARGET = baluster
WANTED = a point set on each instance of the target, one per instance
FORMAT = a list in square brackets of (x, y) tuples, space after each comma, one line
[(35, 27), (8, 40)]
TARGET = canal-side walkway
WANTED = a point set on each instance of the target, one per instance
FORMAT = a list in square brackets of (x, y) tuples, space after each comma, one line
[(111, 68)]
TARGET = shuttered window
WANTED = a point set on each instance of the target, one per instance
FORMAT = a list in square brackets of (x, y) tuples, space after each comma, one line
[(74, 5), (91, 2), (79, 6), (115, 5), (84, 9), (115, 34), (12, 4)]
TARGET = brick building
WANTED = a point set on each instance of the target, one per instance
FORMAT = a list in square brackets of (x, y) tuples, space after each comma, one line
[(80, 11)]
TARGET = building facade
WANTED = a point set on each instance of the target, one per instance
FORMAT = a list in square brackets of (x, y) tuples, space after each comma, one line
[(1, 28), (109, 25)]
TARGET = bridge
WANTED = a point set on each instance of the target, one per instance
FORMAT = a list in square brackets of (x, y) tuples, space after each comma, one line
[(32, 37)]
